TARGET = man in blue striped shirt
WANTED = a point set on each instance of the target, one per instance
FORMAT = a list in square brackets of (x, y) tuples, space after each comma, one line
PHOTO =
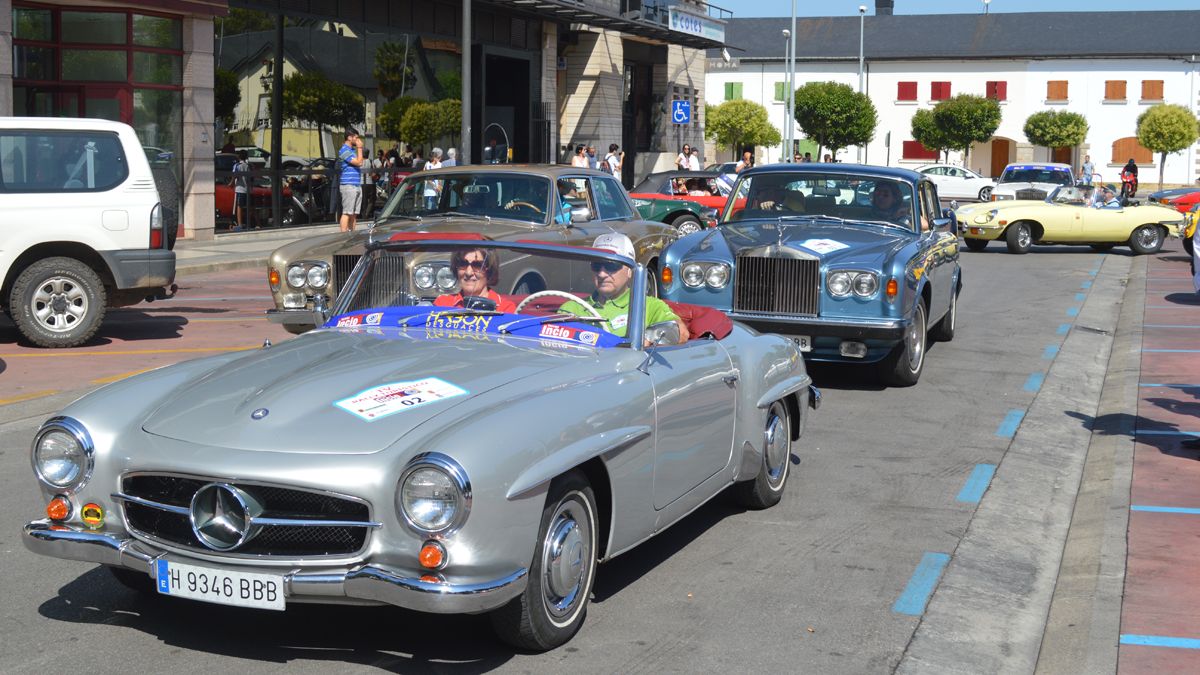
[(349, 164)]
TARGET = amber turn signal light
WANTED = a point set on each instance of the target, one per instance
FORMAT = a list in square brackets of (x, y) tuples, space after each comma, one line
[(667, 276), (273, 278), (892, 289), (433, 555), (58, 508)]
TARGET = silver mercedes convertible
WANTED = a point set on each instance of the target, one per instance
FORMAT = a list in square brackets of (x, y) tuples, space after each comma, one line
[(460, 453)]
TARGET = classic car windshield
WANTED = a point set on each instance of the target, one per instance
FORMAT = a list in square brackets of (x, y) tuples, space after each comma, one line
[(1037, 174), (834, 195), (492, 194), (569, 294), (1071, 195)]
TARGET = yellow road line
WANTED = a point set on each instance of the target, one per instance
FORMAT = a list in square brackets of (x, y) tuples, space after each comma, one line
[(121, 376), (26, 397), (181, 350)]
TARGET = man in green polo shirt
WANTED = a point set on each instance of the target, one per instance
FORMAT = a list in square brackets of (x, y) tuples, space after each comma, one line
[(612, 297)]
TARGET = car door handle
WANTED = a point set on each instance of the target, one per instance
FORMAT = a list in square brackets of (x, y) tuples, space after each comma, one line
[(731, 377)]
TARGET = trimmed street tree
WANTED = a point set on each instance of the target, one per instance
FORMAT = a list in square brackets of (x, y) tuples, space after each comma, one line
[(316, 99), (926, 132), (738, 123), (1166, 128), (966, 119), (392, 71), (1056, 129), (449, 119), (835, 116), (388, 120), (420, 123)]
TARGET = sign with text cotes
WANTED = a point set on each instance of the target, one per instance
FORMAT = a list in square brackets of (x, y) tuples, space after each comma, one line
[(694, 24)]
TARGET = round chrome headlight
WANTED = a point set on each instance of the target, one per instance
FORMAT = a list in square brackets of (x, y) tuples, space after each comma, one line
[(296, 276), (865, 284), (838, 284), (446, 278), (62, 453), (423, 277), (434, 495), (693, 275), (717, 276), (318, 276)]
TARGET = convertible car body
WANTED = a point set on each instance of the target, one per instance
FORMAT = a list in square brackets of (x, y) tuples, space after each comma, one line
[(504, 202), (710, 192), (438, 458), (1067, 216), (685, 216), (815, 254)]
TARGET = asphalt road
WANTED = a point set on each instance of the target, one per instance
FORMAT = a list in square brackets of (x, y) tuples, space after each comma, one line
[(883, 504)]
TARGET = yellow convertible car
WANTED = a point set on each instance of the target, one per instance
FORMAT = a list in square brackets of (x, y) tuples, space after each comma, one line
[(1067, 216)]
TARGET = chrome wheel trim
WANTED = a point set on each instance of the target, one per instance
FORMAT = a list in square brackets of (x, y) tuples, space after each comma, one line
[(1024, 238), (59, 304), (914, 339), (689, 227), (1147, 236), (776, 450), (567, 560)]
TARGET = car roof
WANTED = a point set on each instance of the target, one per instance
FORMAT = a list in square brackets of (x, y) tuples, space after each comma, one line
[(57, 123), (837, 167), (552, 171), (1037, 165)]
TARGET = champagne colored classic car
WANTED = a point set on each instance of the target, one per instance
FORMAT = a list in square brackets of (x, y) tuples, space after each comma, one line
[(1069, 215)]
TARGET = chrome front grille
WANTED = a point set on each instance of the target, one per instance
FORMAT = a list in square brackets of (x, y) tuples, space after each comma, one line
[(388, 279), (777, 286), (1031, 193), (343, 265), (157, 506)]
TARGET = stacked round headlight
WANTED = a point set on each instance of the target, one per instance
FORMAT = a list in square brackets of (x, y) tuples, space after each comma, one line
[(434, 495), (838, 284), (844, 282), (446, 278), (865, 284), (296, 276), (318, 276), (717, 276), (693, 275), (62, 453), (424, 277)]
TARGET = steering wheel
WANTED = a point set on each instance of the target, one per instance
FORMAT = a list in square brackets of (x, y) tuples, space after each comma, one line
[(515, 203), (560, 294)]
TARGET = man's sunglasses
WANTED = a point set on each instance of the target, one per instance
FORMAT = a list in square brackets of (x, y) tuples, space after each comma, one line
[(478, 265), (609, 267)]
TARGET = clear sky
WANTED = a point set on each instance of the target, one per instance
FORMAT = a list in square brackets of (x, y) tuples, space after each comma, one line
[(745, 8)]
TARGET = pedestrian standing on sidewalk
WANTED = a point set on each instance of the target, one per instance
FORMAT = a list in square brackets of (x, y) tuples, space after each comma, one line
[(451, 158), (682, 162), (241, 191), (350, 159), (593, 160), (614, 160), (433, 188), (1086, 171), (694, 160), (579, 159)]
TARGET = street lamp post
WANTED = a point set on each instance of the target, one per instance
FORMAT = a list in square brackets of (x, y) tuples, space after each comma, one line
[(791, 90), (787, 106), (862, 18)]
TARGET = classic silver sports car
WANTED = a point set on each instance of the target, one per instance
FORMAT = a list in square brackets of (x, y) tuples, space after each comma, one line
[(448, 457)]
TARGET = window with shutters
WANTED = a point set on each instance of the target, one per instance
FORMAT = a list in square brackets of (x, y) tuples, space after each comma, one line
[(1056, 90), (1124, 148), (780, 91), (1114, 90), (906, 91), (1152, 90), (939, 91), (915, 150), (733, 91), (997, 90)]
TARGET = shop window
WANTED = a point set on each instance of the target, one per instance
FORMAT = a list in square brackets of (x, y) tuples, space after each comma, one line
[(733, 91), (94, 28), (1127, 147), (157, 31), (33, 63), (939, 91), (1152, 90), (61, 162), (1056, 90), (915, 150), (155, 68), (32, 24), (1114, 90), (94, 65), (906, 91), (997, 90), (780, 91)]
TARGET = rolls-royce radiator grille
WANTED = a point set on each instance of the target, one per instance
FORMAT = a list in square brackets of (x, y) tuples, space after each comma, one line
[(163, 504), (343, 265), (1031, 193), (777, 286), (387, 280)]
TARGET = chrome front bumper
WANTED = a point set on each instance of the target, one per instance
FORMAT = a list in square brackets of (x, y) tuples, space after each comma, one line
[(845, 328), (296, 317), (352, 585)]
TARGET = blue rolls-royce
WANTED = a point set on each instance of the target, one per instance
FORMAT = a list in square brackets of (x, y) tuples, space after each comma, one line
[(856, 263)]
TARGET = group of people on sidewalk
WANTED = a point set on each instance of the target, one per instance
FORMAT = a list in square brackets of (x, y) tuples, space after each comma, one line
[(585, 157)]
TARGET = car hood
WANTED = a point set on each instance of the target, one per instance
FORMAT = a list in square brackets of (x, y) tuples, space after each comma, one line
[(1013, 187), (299, 383), (983, 207), (848, 243)]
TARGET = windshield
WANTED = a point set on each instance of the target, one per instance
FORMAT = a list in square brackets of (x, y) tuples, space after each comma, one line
[(833, 195), (1073, 196), (560, 293), (1037, 174), (486, 193)]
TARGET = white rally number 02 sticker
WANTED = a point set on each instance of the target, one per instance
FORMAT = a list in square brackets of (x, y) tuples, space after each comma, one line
[(388, 399)]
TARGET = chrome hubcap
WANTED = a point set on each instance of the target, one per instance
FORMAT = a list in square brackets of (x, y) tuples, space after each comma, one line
[(1023, 236), (689, 228), (777, 450), (566, 557), (59, 304), (915, 340), (1148, 237)]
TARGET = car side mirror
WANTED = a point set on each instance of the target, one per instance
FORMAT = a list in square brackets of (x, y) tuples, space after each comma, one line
[(580, 214), (663, 333), (947, 224)]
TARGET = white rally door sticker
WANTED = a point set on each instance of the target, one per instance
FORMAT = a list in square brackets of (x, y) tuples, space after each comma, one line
[(823, 245), (388, 399)]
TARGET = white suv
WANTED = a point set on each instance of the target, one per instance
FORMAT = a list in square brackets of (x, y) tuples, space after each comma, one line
[(81, 226)]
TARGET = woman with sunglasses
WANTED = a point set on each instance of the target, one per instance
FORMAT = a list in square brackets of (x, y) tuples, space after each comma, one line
[(477, 271), (683, 161)]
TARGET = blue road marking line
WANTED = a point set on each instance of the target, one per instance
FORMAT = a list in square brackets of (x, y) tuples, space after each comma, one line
[(1165, 509), (1034, 382), (1063, 328), (1050, 351), (1008, 428), (1166, 432), (1172, 386), (916, 594), (1086, 284), (1081, 296), (1172, 351), (1093, 272), (1160, 641), (1072, 311), (977, 483)]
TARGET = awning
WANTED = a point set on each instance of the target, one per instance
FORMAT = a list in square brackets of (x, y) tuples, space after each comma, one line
[(651, 21)]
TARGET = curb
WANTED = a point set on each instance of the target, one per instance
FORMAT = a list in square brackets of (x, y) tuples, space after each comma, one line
[(223, 266)]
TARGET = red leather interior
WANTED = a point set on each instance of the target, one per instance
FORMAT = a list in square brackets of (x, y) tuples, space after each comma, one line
[(700, 321)]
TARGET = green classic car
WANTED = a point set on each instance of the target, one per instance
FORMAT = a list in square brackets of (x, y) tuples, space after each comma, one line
[(685, 216)]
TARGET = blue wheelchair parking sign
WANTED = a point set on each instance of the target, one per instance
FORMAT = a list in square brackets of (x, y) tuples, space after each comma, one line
[(681, 112)]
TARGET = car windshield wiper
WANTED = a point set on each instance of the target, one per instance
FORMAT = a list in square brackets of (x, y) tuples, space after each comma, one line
[(812, 217), (460, 214), (549, 318), (451, 311)]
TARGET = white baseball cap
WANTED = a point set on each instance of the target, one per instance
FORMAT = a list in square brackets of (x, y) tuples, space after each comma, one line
[(616, 242)]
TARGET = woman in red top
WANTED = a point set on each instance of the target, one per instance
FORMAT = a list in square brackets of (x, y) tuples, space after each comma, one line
[(477, 271)]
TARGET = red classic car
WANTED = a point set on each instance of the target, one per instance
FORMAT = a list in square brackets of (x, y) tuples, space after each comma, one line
[(702, 187)]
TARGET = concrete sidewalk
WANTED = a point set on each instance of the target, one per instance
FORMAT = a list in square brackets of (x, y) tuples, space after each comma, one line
[(240, 250)]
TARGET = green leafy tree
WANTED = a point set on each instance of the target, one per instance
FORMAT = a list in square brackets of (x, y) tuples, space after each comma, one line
[(926, 131), (388, 120), (393, 70), (244, 21), (1166, 128), (966, 119), (420, 123), (316, 99), (226, 94), (834, 115), (449, 84), (738, 123), (449, 119), (1056, 128)]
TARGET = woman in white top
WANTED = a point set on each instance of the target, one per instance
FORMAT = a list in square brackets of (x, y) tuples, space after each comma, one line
[(579, 159), (433, 187), (694, 160), (683, 161)]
